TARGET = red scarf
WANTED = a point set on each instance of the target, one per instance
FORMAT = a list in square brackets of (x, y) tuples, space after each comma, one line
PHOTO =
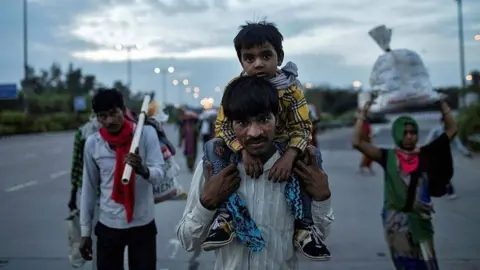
[(122, 194), (408, 161)]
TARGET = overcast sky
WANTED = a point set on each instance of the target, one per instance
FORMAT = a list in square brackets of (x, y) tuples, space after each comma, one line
[(327, 39)]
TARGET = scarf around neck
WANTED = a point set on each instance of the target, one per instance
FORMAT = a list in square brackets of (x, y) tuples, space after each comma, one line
[(121, 142), (408, 160), (286, 77)]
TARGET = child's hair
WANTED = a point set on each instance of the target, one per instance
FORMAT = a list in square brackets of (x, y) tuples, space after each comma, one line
[(258, 33), (107, 99), (249, 96)]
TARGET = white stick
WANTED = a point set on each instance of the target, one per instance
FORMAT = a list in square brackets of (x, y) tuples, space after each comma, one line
[(127, 172)]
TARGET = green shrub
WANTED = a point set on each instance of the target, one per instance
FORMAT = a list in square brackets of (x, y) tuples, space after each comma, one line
[(326, 117), (468, 122), (19, 122), (6, 130), (347, 116)]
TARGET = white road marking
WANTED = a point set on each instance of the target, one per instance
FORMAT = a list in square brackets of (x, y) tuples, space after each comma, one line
[(58, 174), (175, 244), (53, 176), (24, 185)]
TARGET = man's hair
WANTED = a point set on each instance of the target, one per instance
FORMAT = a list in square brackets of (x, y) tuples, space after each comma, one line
[(249, 96), (256, 34), (107, 99)]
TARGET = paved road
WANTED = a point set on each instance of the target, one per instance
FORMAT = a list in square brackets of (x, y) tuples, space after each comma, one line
[(34, 189)]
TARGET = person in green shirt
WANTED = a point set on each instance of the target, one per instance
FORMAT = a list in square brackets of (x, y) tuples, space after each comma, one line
[(412, 175), (76, 171)]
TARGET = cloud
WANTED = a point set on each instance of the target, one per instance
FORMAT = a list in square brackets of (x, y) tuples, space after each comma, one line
[(187, 29)]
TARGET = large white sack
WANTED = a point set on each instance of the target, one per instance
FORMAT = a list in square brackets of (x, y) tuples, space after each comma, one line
[(399, 76)]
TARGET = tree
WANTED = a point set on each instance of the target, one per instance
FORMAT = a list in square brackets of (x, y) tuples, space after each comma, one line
[(53, 90)]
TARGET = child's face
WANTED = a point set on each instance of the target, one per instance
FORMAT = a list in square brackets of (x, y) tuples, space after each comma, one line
[(260, 60)]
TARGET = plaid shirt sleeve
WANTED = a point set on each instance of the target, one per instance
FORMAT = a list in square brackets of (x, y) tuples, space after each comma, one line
[(77, 160), (224, 131), (299, 125)]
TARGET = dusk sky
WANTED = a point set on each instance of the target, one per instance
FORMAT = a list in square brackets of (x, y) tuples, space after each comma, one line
[(327, 39)]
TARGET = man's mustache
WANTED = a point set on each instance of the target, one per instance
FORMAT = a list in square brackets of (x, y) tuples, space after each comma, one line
[(257, 140)]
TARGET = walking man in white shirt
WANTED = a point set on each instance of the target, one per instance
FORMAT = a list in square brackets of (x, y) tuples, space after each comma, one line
[(126, 212), (252, 106)]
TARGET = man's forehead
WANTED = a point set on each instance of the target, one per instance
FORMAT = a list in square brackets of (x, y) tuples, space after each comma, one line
[(256, 117), (112, 110)]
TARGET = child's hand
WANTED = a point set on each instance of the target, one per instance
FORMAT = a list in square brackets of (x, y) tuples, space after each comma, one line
[(253, 166), (282, 169)]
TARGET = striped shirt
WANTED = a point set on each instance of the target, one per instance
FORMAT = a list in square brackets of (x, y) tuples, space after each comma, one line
[(268, 207)]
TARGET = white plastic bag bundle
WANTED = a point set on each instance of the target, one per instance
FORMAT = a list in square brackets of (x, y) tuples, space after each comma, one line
[(399, 76), (74, 238), (169, 189)]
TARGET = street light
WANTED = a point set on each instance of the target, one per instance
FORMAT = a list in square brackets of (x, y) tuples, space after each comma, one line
[(477, 37), (356, 84), (129, 49), (185, 82), (164, 73), (175, 82), (308, 85), (188, 89), (196, 89), (207, 103), (461, 49), (469, 77), (196, 95)]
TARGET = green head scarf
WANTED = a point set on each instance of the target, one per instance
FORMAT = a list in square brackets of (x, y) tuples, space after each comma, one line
[(398, 128)]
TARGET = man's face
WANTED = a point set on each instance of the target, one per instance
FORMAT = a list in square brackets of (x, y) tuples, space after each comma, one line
[(260, 60), (410, 138), (256, 134), (112, 120)]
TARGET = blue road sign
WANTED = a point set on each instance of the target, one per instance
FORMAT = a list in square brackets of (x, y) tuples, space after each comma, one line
[(8, 91), (80, 103)]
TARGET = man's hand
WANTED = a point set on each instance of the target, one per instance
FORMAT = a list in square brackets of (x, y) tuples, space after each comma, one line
[(282, 169), (86, 248), (314, 180), (220, 186), (134, 160), (253, 166)]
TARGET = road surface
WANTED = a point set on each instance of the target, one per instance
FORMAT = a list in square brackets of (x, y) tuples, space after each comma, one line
[(35, 187)]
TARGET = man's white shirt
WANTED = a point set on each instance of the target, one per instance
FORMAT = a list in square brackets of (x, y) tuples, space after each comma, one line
[(267, 205)]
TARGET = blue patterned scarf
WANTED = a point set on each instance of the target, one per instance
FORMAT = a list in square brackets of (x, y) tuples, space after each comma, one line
[(244, 225)]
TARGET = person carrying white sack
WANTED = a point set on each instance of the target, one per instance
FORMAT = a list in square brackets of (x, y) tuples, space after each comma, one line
[(399, 77)]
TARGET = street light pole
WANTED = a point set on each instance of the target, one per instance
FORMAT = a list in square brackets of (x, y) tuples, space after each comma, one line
[(129, 68), (164, 86), (25, 39), (129, 49), (461, 51), (164, 73)]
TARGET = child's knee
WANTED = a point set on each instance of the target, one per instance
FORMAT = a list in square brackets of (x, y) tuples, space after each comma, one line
[(318, 156), (216, 150)]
